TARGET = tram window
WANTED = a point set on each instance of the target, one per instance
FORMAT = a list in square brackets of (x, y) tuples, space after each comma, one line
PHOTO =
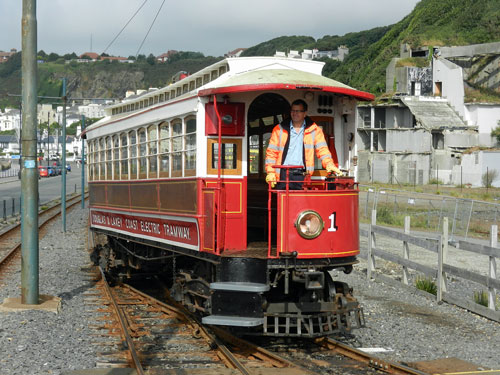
[(253, 156), (190, 139), (142, 157), (172, 94), (269, 120), (162, 97), (133, 154), (177, 148), (254, 123), (178, 92), (185, 88), (116, 157), (230, 156), (153, 151), (191, 86), (102, 152), (109, 159), (167, 96), (164, 150), (124, 157), (91, 159), (206, 78), (198, 82)]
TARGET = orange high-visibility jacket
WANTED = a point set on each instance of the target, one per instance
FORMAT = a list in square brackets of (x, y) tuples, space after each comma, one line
[(314, 139)]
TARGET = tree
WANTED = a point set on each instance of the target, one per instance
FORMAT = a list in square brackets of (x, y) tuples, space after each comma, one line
[(53, 57), (151, 59), (496, 133)]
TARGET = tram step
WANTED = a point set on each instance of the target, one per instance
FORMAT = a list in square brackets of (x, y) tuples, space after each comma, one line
[(235, 321), (240, 287)]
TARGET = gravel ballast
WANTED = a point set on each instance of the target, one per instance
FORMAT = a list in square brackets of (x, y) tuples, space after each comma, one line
[(411, 326)]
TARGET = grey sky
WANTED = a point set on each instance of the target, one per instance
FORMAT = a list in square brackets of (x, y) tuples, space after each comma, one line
[(211, 27)]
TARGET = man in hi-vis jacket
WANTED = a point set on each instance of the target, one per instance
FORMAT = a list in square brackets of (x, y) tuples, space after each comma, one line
[(293, 143)]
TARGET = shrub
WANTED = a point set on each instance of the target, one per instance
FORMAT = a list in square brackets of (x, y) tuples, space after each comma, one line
[(488, 177), (481, 298), (427, 285)]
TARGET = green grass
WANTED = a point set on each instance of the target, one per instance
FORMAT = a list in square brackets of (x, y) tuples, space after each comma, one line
[(481, 298), (426, 284)]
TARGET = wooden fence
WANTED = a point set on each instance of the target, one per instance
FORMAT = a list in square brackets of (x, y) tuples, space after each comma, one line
[(441, 270)]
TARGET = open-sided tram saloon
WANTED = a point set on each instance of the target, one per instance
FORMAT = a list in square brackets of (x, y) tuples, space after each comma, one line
[(177, 187)]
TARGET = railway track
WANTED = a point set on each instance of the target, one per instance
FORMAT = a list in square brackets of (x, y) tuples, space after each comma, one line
[(10, 237), (151, 336), (142, 332)]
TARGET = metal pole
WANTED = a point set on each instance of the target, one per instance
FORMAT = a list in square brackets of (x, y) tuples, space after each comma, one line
[(63, 174), (29, 178), (83, 162)]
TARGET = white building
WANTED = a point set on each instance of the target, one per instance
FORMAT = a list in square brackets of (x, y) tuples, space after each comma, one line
[(10, 119)]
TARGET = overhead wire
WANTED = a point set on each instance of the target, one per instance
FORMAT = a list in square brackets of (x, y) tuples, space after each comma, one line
[(123, 28), (150, 27)]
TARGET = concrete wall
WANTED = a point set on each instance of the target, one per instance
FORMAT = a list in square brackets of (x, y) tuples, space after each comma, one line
[(486, 117), (462, 139), (393, 168), (470, 50), (408, 141), (451, 77), (474, 166)]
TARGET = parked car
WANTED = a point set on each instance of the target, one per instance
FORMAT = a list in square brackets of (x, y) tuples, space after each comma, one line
[(52, 171), (68, 167), (43, 171)]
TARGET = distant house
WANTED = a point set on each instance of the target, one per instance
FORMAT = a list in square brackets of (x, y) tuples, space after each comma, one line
[(4, 56), (165, 56), (236, 53), (90, 55), (9, 143)]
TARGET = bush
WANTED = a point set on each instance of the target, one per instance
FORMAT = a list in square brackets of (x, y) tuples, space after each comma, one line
[(427, 285), (488, 178)]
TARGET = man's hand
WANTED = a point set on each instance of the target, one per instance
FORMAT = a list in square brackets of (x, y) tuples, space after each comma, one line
[(271, 179), (331, 168)]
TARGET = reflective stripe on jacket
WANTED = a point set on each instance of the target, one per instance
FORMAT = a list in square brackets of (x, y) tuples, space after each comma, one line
[(314, 139)]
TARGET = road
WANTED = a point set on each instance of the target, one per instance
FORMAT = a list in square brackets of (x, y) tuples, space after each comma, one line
[(49, 188)]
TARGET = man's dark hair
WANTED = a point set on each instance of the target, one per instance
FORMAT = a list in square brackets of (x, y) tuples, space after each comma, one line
[(300, 102)]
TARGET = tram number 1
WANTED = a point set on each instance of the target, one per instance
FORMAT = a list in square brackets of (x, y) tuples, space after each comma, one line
[(333, 226)]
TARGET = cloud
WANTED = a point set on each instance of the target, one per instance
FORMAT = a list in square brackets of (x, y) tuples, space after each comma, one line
[(212, 27)]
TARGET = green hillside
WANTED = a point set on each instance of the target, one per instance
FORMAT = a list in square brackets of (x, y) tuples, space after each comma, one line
[(431, 23)]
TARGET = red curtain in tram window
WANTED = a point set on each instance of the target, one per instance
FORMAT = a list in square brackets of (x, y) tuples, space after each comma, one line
[(331, 145)]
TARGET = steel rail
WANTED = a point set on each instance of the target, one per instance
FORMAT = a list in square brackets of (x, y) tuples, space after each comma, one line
[(180, 312), (121, 318), (369, 360), (41, 225)]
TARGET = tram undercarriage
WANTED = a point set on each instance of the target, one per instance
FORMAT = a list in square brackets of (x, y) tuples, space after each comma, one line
[(278, 297)]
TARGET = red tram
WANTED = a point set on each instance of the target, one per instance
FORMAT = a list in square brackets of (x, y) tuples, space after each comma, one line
[(177, 187)]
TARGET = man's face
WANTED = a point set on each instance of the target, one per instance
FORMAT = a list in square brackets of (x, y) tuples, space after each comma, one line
[(298, 113)]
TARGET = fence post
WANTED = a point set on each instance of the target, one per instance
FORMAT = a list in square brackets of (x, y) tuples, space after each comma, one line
[(470, 216), (406, 250), (442, 253), (13, 206), (4, 210), (493, 267), (454, 220), (370, 259)]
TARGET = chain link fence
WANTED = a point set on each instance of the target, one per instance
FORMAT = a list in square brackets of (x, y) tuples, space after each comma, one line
[(467, 218)]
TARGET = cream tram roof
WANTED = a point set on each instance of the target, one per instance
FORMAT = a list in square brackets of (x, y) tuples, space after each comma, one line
[(233, 75)]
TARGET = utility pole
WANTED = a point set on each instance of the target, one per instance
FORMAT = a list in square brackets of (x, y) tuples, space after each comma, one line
[(29, 173), (63, 174)]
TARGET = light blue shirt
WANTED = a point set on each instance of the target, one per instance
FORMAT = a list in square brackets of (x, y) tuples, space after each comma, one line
[(295, 152)]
